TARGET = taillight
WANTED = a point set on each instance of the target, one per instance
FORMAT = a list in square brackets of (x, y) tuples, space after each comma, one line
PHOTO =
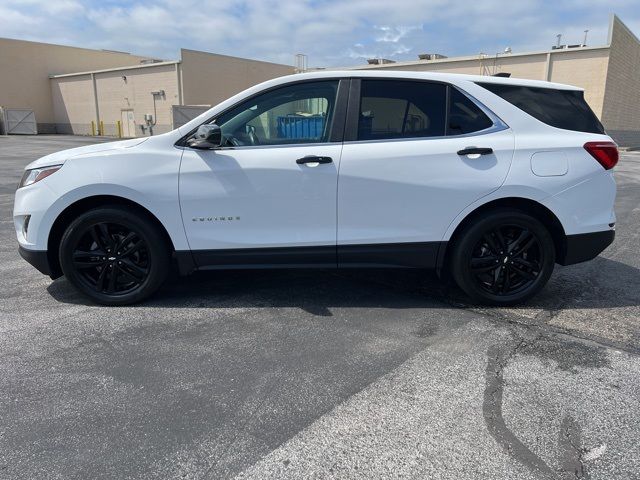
[(606, 153)]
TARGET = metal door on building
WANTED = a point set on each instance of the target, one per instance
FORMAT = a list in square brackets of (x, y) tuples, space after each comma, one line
[(128, 123), (18, 121)]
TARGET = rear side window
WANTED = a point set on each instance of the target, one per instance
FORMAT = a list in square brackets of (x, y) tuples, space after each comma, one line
[(464, 115), (565, 109), (401, 109)]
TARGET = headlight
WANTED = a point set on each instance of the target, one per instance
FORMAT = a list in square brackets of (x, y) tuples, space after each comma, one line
[(35, 175)]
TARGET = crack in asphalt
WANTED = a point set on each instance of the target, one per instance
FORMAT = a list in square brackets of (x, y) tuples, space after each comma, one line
[(542, 327), (497, 359), (572, 465), (571, 452)]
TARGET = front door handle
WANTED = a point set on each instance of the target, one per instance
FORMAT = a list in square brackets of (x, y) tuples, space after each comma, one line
[(313, 159), (475, 151)]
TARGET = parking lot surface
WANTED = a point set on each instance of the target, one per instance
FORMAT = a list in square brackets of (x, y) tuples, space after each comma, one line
[(320, 374)]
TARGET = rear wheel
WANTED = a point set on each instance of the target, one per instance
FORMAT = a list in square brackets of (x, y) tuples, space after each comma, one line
[(503, 258), (114, 256)]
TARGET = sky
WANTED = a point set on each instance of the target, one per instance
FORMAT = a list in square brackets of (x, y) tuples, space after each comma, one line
[(330, 32)]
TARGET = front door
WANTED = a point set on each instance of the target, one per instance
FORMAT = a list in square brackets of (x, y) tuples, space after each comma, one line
[(402, 180), (268, 195)]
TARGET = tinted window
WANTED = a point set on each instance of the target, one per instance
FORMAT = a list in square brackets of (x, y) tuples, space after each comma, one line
[(559, 108), (464, 115), (299, 113), (401, 109)]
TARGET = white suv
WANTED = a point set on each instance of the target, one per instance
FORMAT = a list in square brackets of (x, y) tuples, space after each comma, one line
[(492, 179)]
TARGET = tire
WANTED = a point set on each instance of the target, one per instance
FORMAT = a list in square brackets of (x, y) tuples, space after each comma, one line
[(114, 256), (503, 257)]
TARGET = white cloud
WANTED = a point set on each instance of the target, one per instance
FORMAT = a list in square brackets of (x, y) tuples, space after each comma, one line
[(393, 34), (331, 32), (58, 7)]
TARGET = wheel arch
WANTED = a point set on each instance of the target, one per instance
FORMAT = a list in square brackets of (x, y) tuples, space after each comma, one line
[(78, 207), (526, 205)]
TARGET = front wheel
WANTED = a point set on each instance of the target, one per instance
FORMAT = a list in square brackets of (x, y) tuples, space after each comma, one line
[(503, 258), (114, 256)]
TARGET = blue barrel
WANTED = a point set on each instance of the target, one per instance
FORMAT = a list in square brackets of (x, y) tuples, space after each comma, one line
[(300, 127)]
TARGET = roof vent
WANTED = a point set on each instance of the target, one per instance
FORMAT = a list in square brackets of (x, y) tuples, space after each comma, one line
[(565, 47), (379, 61), (431, 56), (114, 51)]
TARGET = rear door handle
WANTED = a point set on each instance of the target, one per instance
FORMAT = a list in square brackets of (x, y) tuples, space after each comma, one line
[(313, 159), (475, 151)]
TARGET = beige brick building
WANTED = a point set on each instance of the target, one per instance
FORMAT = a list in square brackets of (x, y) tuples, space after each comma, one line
[(609, 74), (117, 100), (81, 91), (25, 68)]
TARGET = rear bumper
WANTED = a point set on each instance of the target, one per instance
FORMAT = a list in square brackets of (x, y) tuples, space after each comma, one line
[(37, 258), (585, 246)]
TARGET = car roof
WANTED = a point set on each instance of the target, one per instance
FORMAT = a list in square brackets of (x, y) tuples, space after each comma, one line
[(435, 76)]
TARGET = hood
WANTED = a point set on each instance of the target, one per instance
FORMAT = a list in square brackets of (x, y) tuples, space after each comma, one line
[(64, 155)]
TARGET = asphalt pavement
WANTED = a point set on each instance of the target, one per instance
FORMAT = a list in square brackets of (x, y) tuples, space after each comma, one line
[(320, 374)]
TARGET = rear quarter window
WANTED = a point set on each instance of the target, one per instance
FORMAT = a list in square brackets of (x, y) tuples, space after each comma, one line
[(566, 109), (464, 115)]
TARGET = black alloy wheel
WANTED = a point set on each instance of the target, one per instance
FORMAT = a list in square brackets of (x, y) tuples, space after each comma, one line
[(503, 257), (111, 258), (507, 260), (115, 255)]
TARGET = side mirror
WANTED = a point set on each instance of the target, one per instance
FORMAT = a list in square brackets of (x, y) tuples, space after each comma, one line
[(206, 138)]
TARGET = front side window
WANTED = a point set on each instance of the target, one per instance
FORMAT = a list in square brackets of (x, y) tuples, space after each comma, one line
[(300, 113), (401, 109)]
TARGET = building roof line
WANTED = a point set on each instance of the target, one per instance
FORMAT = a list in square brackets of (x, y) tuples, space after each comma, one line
[(117, 69), (466, 58), (612, 19), (94, 50), (232, 57)]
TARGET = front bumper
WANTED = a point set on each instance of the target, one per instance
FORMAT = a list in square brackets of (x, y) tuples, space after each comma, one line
[(585, 246), (37, 258)]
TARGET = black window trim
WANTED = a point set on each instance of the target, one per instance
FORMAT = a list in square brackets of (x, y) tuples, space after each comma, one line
[(353, 113), (336, 129)]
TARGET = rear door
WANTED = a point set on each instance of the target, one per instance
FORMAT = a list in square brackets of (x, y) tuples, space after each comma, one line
[(416, 153)]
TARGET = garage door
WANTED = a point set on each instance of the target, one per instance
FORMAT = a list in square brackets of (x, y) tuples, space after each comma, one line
[(185, 113), (20, 121)]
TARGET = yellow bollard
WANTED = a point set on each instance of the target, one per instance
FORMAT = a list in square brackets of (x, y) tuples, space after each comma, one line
[(93, 128), (119, 128), (101, 132)]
